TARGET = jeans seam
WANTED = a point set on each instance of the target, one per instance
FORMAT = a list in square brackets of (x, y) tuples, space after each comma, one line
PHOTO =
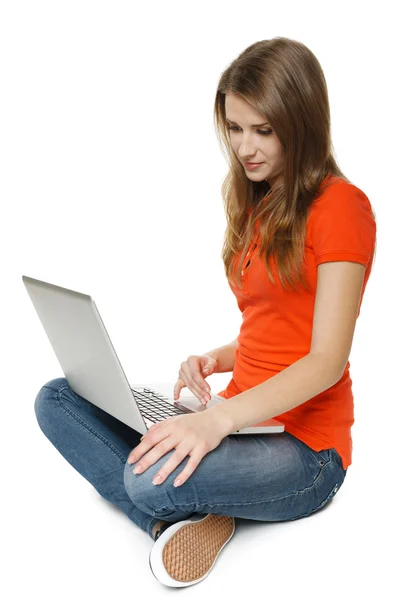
[(320, 474), (83, 424), (229, 504)]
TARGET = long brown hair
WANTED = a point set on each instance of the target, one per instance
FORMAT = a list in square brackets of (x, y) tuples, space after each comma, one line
[(283, 80)]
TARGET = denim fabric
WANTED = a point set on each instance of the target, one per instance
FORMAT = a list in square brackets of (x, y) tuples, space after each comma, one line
[(274, 477)]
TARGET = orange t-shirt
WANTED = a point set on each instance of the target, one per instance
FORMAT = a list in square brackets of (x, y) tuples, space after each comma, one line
[(276, 326)]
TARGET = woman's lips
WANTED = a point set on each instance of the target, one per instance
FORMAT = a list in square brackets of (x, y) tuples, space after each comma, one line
[(252, 165)]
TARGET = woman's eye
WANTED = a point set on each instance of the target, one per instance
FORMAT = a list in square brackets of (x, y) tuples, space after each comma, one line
[(260, 131)]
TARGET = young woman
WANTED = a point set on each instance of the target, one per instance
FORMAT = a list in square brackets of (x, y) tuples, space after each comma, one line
[(298, 252)]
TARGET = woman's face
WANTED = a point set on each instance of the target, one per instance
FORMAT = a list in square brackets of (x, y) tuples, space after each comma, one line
[(253, 144)]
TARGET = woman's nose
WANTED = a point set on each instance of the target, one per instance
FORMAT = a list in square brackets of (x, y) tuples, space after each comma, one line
[(246, 150)]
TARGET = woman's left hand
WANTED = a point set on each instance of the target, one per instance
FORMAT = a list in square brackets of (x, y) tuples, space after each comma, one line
[(195, 434)]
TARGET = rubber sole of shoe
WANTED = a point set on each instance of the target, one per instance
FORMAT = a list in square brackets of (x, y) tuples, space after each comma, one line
[(185, 553)]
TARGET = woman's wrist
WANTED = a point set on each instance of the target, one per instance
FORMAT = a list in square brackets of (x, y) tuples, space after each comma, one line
[(224, 356)]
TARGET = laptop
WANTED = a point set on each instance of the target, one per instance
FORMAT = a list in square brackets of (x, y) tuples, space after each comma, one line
[(91, 366)]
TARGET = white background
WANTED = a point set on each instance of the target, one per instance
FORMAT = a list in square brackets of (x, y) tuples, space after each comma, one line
[(111, 179)]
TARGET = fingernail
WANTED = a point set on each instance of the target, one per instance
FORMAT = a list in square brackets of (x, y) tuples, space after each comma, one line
[(177, 482), (156, 479)]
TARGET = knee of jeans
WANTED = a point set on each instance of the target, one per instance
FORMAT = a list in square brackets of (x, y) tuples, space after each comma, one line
[(47, 395), (140, 488)]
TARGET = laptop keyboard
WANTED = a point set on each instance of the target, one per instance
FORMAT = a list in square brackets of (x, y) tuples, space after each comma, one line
[(154, 407)]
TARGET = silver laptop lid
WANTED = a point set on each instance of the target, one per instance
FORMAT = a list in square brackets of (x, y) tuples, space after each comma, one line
[(84, 349)]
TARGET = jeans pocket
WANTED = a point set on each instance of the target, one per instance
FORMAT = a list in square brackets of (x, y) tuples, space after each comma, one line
[(313, 460), (322, 456), (334, 476)]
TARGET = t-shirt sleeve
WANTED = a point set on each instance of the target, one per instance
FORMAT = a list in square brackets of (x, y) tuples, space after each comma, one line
[(343, 226)]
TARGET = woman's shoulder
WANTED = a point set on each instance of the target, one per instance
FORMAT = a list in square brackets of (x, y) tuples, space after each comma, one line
[(338, 192)]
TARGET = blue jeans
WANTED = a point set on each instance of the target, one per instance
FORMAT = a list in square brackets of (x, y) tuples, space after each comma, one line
[(274, 477)]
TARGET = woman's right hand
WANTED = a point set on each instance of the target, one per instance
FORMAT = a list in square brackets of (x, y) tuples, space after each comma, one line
[(192, 375)]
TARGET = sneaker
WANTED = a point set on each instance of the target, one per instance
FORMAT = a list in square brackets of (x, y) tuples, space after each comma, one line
[(185, 552)]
